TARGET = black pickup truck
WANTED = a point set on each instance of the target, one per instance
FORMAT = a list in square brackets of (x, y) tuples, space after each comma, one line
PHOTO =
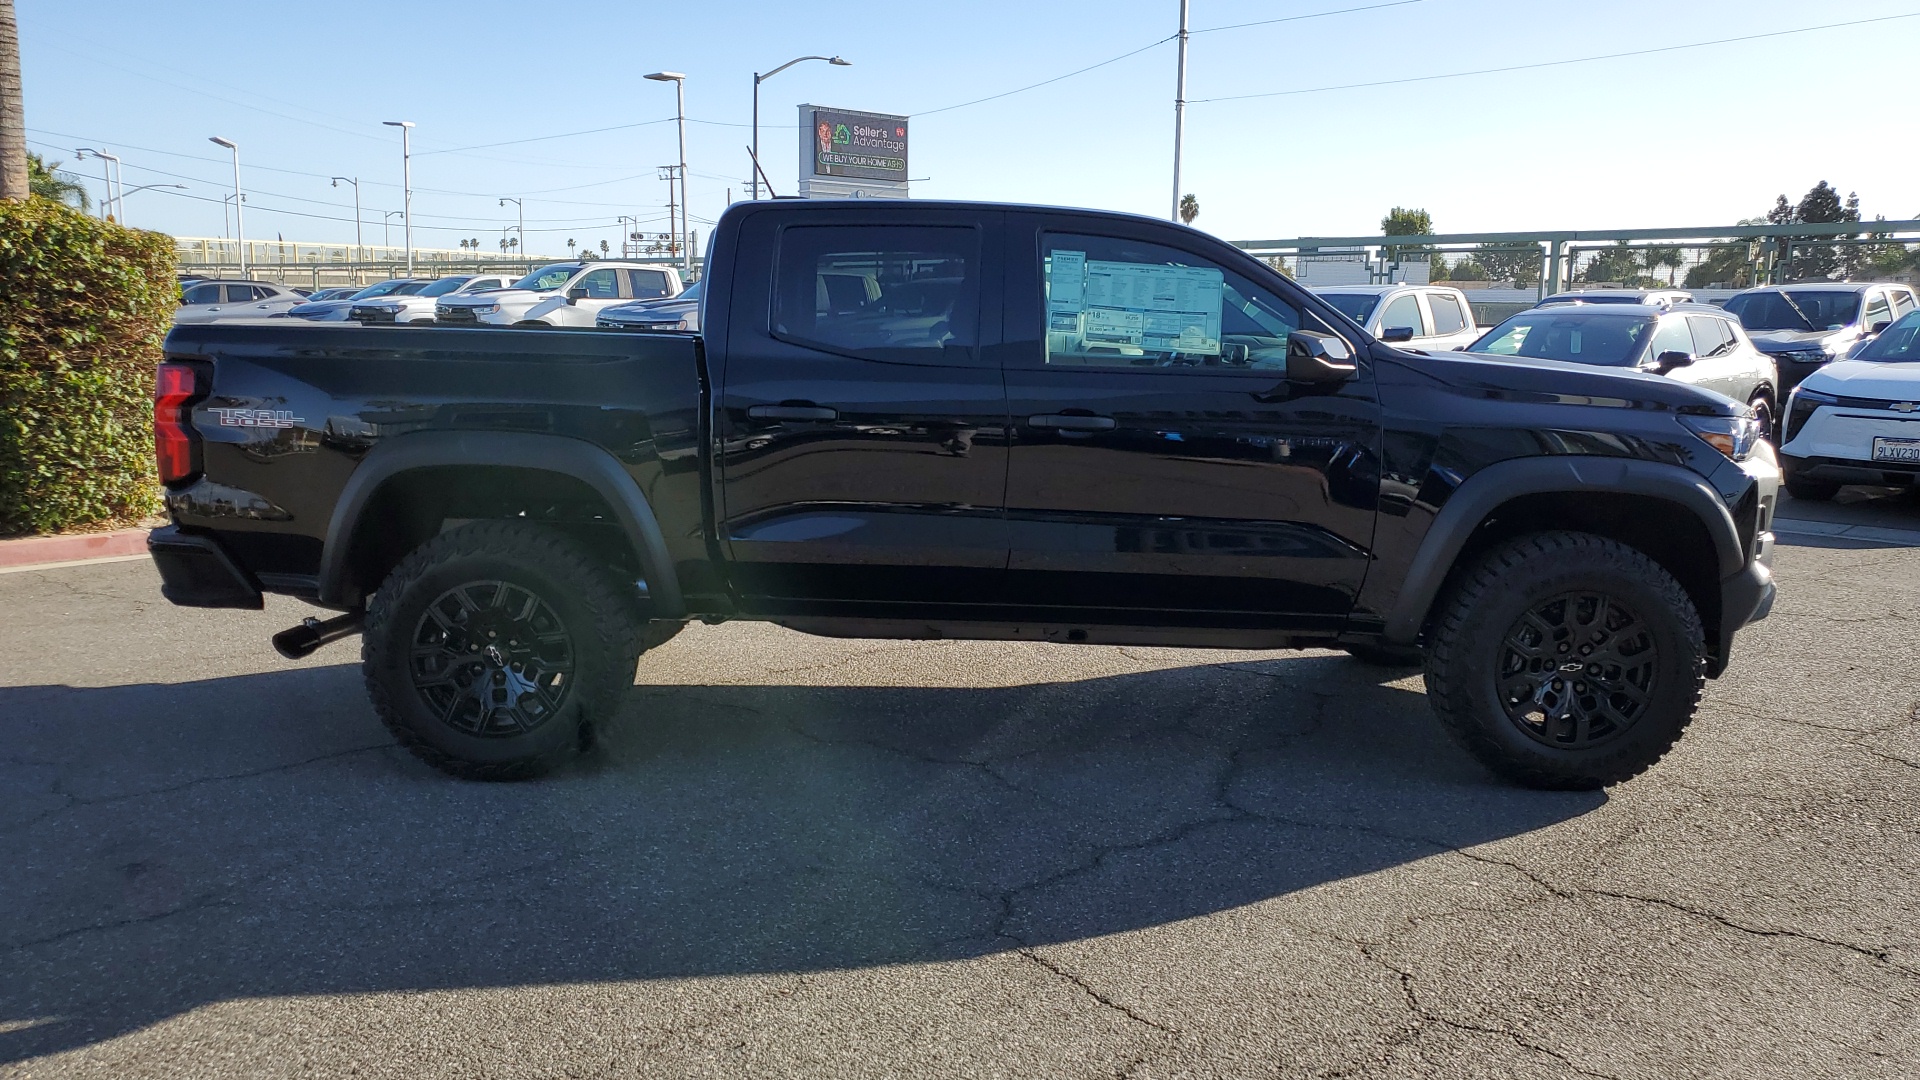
[(952, 420)]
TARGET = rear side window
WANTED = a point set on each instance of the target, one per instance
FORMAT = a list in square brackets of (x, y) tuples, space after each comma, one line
[(1902, 303), (239, 294), (648, 284), (1403, 310), (1877, 310), (878, 292), (1447, 318), (1711, 336)]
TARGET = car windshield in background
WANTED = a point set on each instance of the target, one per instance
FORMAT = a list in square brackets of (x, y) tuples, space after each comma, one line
[(384, 288), (1795, 309), (1577, 298), (443, 286), (1355, 306), (1576, 336), (547, 278), (1899, 343)]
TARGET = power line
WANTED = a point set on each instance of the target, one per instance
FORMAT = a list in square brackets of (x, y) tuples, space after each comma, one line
[(1554, 63), (543, 138), (1309, 15)]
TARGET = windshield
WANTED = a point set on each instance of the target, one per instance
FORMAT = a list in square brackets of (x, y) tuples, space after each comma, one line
[(443, 286), (384, 288), (1899, 343), (1796, 309), (547, 278), (1578, 337), (1355, 306)]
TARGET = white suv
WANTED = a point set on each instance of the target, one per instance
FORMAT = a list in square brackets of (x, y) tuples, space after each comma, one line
[(563, 294), (1857, 421), (418, 307)]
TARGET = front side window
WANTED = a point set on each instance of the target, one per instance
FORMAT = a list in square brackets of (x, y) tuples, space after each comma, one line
[(548, 278), (1402, 311), (1111, 302), (601, 284), (1673, 336), (878, 292), (648, 284), (1447, 318), (202, 294), (1355, 306), (1557, 333), (1899, 343)]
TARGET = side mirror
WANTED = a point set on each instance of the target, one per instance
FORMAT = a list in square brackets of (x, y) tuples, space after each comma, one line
[(1672, 358), (576, 294), (1397, 333), (1879, 326), (1314, 357)]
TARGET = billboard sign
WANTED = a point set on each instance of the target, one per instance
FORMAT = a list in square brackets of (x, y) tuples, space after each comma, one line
[(857, 145)]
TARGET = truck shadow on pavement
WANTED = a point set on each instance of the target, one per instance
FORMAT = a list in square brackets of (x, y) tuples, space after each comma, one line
[(171, 846)]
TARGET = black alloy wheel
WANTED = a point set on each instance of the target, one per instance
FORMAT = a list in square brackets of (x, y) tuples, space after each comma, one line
[(492, 659), (1577, 670), (1763, 415)]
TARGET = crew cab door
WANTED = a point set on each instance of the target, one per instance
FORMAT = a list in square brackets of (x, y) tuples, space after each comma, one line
[(1164, 470), (860, 420)]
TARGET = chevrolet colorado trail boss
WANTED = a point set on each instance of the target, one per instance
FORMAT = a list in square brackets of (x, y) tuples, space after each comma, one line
[(952, 420)]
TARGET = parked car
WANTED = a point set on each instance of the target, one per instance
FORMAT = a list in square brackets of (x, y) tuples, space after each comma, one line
[(336, 310), (1807, 325), (418, 306), (1857, 421), (337, 293), (209, 301), (1659, 297), (678, 313), (1698, 344), (961, 420), (1430, 318), (563, 294)]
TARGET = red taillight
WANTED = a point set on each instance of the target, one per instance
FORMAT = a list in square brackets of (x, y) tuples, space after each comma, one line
[(175, 445)]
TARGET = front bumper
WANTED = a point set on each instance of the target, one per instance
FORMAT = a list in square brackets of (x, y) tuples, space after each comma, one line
[(1746, 595), (1849, 471), (195, 571)]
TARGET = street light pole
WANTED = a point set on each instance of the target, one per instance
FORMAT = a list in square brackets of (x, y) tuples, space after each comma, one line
[(386, 220), (679, 82), (523, 227), (109, 169), (239, 224), (406, 180), (757, 80), (359, 249), (136, 191), (1179, 109)]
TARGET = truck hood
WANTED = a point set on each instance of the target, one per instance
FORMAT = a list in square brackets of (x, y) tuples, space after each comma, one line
[(1559, 382), (1896, 381), (314, 309), (1779, 341), (503, 297), (651, 310)]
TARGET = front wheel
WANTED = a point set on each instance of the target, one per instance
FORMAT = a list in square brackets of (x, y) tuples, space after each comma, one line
[(1566, 661), (1804, 489), (491, 649), (1762, 407)]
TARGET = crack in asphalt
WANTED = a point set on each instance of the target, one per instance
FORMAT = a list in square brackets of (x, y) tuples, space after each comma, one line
[(1880, 956), (1087, 988)]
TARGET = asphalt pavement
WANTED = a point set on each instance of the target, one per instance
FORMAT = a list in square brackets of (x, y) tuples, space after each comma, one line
[(807, 857)]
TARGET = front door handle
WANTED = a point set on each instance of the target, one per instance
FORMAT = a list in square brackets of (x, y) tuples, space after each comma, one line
[(793, 412), (1071, 422)]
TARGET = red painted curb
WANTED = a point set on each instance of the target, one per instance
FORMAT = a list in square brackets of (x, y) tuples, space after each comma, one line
[(32, 550)]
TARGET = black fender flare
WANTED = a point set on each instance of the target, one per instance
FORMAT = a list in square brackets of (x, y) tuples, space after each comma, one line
[(1486, 490), (581, 460)]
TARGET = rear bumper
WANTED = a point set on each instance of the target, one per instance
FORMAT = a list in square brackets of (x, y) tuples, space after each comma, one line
[(195, 571)]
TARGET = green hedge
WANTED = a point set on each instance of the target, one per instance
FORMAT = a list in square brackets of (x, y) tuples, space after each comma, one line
[(84, 305)]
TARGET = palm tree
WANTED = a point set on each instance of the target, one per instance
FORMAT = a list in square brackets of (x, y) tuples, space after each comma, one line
[(48, 182), (15, 182), (1659, 256), (1189, 209)]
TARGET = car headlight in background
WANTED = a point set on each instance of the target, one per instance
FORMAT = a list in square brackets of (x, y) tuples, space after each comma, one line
[(1733, 436), (1800, 407), (1806, 356), (484, 309)]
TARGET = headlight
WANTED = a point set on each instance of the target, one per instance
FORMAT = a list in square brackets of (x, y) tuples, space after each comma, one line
[(1733, 436), (1800, 409), (486, 309)]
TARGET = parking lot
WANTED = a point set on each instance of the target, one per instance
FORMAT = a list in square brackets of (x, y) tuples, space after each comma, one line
[(863, 858)]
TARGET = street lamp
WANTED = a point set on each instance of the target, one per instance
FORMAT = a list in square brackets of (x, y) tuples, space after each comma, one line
[(239, 226), (110, 175), (386, 220), (757, 80), (523, 223), (359, 250), (142, 187), (679, 82), (406, 180)]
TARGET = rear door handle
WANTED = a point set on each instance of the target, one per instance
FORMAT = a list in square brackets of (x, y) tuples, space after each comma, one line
[(793, 412), (1071, 422)]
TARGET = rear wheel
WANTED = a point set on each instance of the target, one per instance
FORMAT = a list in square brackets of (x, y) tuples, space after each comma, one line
[(1566, 660), (491, 649)]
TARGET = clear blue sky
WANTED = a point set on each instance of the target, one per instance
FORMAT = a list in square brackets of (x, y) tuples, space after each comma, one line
[(1683, 137)]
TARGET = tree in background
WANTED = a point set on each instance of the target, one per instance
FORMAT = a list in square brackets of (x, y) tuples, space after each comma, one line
[(48, 182), (15, 180), (1189, 209), (1807, 257), (1520, 265), (1618, 264), (1401, 221), (1470, 268), (1660, 255)]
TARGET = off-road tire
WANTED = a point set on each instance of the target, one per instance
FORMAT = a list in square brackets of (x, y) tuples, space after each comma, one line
[(1385, 656), (1763, 411), (604, 627), (1468, 641)]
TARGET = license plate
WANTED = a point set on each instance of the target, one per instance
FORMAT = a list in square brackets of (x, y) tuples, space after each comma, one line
[(1904, 451)]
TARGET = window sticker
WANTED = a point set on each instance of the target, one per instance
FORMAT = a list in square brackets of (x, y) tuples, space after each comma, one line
[(1094, 305)]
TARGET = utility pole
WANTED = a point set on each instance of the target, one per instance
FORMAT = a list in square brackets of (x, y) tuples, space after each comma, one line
[(679, 82), (406, 181), (757, 80), (239, 224), (523, 226), (359, 250), (673, 226), (1179, 108)]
